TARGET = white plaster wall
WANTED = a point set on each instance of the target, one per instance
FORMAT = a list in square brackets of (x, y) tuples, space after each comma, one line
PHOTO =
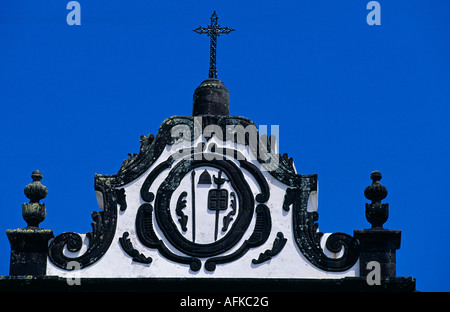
[(289, 263)]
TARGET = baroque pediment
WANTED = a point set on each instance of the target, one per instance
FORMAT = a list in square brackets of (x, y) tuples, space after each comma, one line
[(206, 196)]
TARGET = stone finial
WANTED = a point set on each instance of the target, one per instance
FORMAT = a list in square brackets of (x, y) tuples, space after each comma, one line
[(29, 246), (34, 212), (376, 212), (375, 192), (35, 191), (377, 245)]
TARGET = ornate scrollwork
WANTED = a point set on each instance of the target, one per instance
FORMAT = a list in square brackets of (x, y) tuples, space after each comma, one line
[(308, 238), (189, 128), (148, 237), (241, 203), (127, 246), (103, 230), (111, 186), (181, 204), (278, 245), (229, 217), (260, 234), (171, 183)]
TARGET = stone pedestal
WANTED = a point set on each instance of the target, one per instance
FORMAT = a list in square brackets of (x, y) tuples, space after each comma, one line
[(378, 245), (29, 248)]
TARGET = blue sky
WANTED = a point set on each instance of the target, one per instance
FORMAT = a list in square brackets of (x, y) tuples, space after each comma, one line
[(349, 98)]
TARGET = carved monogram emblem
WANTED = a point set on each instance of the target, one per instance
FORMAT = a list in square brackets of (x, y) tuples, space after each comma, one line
[(212, 201), (203, 208)]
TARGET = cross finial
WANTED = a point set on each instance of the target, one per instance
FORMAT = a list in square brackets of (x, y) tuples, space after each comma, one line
[(213, 31)]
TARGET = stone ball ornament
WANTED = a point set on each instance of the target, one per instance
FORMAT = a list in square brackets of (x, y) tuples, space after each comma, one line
[(34, 212), (376, 212)]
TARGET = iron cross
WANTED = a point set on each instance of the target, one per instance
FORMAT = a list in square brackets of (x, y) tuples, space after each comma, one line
[(213, 31)]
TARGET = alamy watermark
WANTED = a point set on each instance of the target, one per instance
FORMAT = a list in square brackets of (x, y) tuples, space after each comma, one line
[(263, 148), (74, 16), (374, 276), (75, 266), (374, 16)]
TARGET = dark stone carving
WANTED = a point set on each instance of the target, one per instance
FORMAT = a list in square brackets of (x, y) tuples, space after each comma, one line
[(257, 174), (229, 217), (148, 154), (103, 230), (147, 236), (193, 203), (121, 199), (260, 235), (308, 238), (242, 193), (29, 246), (181, 204), (145, 193), (376, 212), (205, 178), (104, 225), (278, 245), (34, 212), (35, 191), (218, 200), (167, 225), (127, 246), (377, 244)]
